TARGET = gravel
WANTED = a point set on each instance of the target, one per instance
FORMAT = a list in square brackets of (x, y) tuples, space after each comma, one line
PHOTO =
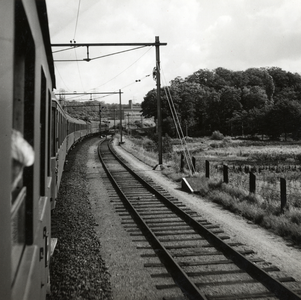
[(77, 270)]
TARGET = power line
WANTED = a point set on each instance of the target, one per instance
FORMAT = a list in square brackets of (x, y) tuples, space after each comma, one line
[(62, 50), (116, 53), (61, 77), (125, 68), (78, 8), (80, 77), (93, 58)]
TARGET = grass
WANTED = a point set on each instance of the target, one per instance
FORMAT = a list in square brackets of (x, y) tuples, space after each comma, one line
[(263, 210), (254, 208)]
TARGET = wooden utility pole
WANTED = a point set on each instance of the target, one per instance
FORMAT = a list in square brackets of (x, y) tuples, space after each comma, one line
[(99, 119), (159, 115), (128, 123), (120, 114), (114, 120)]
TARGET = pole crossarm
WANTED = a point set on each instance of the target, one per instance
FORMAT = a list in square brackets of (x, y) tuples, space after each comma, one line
[(86, 105), (87, 93), (106, 44), (157, 44)]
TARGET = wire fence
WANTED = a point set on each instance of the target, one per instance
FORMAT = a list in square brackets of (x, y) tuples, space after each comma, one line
[(275, 184)]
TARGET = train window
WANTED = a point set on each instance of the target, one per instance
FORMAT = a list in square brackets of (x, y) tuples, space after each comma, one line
[(60, 129), (43, 133), (53, 132), (17, 227), (49, 134)]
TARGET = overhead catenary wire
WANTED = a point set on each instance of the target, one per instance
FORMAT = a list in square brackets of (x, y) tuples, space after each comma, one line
[(100, 97), (61, 77), (124, 69), (77, 16), (178, 127), (88, 59), (62, 50), (106, 55), (80, 77), (78, 96)]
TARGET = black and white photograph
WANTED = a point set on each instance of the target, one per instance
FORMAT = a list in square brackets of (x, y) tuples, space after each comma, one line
[(150, 150)]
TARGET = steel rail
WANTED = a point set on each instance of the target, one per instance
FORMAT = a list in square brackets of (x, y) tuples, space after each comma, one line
[(180, 277), (272, 284)]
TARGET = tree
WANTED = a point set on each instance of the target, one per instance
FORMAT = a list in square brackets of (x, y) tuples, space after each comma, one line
[(204, 77), (229, 102), (222, 78), (149, 104), (280, 78), (261, 77), (283, 117), (253, 97), (239, 79)]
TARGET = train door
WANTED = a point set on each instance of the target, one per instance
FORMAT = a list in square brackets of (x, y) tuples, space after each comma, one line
[(54, 149), (43, 227)]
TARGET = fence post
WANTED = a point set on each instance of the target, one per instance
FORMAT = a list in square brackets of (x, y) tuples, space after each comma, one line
[(282, 193), (182, 162), (193, 163), (252, 183), (225, 173), (207, 168)]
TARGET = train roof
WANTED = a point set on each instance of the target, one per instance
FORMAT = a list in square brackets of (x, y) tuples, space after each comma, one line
[(67, 116)]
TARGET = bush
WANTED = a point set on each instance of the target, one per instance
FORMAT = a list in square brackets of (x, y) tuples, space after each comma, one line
[(167, 144), (216, 135), (149, 145), (298, 158), (295, 217)]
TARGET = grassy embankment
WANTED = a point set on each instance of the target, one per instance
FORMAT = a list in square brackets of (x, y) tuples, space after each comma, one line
[(262, 208)]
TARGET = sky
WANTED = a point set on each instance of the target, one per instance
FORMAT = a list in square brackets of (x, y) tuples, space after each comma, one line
[(200, 34)]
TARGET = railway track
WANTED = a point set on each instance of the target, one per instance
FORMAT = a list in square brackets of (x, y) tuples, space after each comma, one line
[(199, 258)]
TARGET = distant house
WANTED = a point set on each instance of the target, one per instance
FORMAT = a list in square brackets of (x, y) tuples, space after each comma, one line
[(133, 111), (129, 111)]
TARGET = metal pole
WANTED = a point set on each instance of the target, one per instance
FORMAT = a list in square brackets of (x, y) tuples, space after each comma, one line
[(120, 125), (128, 123), (100, 121), (159, 116), (114, 120), (283, 193)]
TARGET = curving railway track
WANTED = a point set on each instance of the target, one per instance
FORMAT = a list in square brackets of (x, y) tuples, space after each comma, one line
[(199, 258)]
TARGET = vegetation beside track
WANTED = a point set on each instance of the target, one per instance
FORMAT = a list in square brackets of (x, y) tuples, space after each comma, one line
[(263, 211)]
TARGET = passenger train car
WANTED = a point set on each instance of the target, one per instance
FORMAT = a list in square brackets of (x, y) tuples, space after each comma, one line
[(67, 131), (36, 135)]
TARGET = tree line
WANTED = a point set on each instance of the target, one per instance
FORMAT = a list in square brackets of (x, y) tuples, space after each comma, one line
[(257, 101)]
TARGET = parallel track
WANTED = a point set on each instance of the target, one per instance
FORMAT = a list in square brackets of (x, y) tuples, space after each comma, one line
[(194, 252)]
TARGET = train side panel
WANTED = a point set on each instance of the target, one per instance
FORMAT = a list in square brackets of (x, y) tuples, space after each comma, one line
[(37, 178), (6, 95), (26, 84)]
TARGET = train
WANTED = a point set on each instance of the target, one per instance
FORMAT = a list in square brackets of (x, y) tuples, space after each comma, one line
[(36, 135)]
